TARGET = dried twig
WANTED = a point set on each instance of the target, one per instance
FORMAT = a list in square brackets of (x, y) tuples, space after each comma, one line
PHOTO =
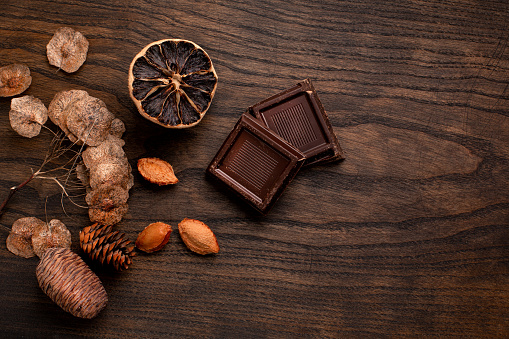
[(57, 149)]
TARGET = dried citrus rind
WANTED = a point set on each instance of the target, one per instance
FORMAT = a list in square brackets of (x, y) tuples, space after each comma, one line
[(49, 235), (14, 79), (19, 241), (67, 49), (172, 83), (27, 115), (157, 171)]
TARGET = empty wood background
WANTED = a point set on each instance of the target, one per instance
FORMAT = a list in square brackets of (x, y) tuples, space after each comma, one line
[(406, 237)]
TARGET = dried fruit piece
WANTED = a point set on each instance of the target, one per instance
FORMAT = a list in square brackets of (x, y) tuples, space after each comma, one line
[(100, 243), (14, 79), (153, 237), (49, 235), (157, 171), (19, 240), (70, 283), (27, 115), (67, 49), (172, 83), (198, 237)]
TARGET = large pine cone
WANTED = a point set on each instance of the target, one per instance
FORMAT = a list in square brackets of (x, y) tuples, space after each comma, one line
[(100, 243), (70, 283)]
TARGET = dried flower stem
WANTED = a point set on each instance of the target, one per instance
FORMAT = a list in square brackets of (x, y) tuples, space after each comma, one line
[(55, 151), (13, 190)]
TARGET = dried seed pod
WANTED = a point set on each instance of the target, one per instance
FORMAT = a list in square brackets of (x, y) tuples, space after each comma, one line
[(67, 49), (153, 237), (100, 243), (157, 171), (52, 234), (107, 204), (82, 175), (172, 83), (89, 120), (70, 283), (198, 237), (14, 79), (117, 128), (19, 240), (111, 148), (59, 108), (27, 115), (114, 172)]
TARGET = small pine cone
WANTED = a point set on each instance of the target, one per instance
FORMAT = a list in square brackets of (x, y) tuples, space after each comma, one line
[(112, 248), (70, 283)]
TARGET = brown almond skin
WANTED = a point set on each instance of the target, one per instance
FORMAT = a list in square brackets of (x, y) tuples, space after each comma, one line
[(157, 171), (198, 237), (153, 237)]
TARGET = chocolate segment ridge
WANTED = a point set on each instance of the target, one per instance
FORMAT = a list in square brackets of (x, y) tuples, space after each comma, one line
[(297, 116), (256, 163)]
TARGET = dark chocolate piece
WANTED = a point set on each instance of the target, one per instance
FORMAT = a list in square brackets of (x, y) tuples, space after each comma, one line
[(256, 163), (298, 116)]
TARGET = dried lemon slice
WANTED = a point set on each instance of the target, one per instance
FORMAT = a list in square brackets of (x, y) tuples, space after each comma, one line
[(172, 82)]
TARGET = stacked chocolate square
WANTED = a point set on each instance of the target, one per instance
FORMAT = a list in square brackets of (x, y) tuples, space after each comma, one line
[(271, 141)]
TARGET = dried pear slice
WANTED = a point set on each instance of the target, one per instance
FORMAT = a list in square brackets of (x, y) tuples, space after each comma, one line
[(172, 83)]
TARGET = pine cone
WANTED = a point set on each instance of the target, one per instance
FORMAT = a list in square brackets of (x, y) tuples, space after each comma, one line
[(70, 283), (100, 243)]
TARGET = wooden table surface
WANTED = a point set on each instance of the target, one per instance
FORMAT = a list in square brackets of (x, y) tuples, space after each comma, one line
[(408, 236)]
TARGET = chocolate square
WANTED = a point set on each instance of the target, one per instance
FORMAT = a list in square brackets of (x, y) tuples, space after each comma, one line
[(255, 163), (298, 116)]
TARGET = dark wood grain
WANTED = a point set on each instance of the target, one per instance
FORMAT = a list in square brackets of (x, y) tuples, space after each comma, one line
[(406, 237)]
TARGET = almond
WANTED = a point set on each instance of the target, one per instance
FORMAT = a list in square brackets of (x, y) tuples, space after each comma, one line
[(198, 237), (153, 237), (157, 171)]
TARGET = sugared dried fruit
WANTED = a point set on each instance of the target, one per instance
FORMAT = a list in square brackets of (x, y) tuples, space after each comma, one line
[(153, 237), (157, 171), (198, 237), (67, 49), (108, 247), (14, 79), (27, 115), (19, 240), (172, 83), (70, 283), (49, 235)]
